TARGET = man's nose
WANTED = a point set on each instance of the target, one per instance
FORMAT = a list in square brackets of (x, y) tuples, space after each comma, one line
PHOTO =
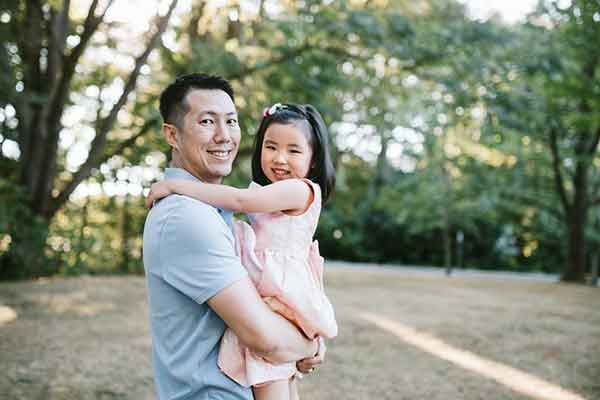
[(222, 133)]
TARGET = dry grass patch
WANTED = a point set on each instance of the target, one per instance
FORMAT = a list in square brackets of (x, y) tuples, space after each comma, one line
[(87, 338)]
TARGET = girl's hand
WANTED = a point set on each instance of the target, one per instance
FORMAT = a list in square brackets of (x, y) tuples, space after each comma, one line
[(157, 191), (308, 365)]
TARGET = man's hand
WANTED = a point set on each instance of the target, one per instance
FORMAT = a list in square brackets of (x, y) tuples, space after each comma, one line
[(308, 365), (157, 192)]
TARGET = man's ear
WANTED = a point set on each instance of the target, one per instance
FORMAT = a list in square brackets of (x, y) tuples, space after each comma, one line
[(170, 133)]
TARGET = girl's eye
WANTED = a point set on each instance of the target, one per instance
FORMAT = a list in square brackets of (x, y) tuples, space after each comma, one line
[(206, 121), (270, 147), (232, 121), (296, 151)]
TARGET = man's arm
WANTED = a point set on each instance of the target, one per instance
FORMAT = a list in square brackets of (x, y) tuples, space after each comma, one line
[(256, 325)]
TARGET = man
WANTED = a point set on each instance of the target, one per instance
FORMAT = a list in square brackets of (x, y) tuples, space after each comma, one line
[(196, 284)]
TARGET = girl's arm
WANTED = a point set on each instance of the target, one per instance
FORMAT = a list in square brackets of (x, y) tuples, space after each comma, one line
[(292, 195)]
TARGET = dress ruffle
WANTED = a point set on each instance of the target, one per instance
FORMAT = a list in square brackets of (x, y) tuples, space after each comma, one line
[(289, 291)]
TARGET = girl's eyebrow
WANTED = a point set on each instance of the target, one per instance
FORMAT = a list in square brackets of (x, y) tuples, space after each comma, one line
[(269, 141), (294, 145)]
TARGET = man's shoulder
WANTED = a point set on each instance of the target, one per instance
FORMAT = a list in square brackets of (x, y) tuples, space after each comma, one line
[(191, 208), (183, 216)]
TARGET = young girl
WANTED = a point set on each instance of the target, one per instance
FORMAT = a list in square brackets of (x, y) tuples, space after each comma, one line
[(293, 175)]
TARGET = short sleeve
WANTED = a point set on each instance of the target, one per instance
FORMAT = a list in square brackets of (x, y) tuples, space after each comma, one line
[(197, 251)]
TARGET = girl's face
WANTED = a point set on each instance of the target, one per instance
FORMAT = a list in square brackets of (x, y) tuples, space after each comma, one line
[(286, 152)]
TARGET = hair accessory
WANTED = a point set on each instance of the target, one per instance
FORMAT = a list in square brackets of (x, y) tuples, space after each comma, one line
[(273, 109)]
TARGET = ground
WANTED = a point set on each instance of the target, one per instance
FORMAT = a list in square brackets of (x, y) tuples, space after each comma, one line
[(88, 338)]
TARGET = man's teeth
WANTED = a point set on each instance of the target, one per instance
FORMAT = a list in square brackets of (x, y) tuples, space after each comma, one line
[(220, 153)]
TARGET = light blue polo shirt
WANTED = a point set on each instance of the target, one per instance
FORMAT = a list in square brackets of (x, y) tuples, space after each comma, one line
[(189, 256)]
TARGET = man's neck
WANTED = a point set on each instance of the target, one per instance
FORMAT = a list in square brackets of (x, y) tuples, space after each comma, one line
[(175, 164)]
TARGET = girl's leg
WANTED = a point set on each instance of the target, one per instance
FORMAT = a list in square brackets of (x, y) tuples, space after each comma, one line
[(276, 390), (293, 390)]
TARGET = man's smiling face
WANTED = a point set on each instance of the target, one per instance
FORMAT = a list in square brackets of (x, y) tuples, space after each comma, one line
[(208, 140)]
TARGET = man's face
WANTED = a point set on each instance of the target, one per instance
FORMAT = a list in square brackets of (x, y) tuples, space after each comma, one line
[(208, 140)]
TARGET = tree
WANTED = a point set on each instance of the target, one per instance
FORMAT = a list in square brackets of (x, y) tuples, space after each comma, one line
[(47, 47), (555, 99)]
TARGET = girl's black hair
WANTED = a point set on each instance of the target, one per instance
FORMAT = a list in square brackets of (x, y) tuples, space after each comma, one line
[(321, 171)]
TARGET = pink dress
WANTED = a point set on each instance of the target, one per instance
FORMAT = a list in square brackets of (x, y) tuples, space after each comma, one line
[(285, 265)]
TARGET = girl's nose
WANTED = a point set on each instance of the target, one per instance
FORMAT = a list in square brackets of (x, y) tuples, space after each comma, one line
[(280, 159)]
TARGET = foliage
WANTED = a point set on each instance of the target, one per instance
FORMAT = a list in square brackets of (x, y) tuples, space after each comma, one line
[(441, 129)]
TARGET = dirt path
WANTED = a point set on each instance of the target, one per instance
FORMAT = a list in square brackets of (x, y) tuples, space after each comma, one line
[(87, 338)]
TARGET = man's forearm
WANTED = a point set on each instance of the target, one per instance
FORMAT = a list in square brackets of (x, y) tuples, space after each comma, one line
[(265, 332), (288, 344)]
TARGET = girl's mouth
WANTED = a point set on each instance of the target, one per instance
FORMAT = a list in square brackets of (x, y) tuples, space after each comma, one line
[(280, 172)]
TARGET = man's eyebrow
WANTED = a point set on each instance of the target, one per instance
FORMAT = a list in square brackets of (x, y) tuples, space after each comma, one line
[(214, 113)]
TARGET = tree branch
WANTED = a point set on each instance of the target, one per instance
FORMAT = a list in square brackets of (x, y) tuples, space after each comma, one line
[(558, 177), (30, 38), (54, 111), (197, 12), (59, 95), (57, 36), (333, 50), (275, 61), (535, 199), (593, 146), (99, 142), (130, 141), (28, 34)]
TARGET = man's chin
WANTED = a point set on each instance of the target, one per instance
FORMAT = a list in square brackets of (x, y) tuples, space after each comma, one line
[(220, 173)]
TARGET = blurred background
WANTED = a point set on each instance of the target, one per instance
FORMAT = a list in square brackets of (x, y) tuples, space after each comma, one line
[(465, 133)]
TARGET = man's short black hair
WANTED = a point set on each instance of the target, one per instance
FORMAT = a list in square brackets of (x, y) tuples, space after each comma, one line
[(173, 106)]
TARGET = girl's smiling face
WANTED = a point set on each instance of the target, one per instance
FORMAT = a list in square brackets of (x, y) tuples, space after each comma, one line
[(286, 152)]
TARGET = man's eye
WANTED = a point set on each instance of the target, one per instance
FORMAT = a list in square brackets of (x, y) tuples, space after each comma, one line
[(296, 151), (206, 121), (232, 121), (270, 147)]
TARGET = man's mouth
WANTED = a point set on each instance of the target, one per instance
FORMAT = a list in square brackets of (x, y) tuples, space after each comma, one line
[(220, 154)]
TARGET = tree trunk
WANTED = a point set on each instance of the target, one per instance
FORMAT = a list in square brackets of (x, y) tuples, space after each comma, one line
[(125, 235), (39, 109), (447, 243), (81, 247), (576, 220), (446, 180), (575, 268), (594, 272), (575, 211)]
